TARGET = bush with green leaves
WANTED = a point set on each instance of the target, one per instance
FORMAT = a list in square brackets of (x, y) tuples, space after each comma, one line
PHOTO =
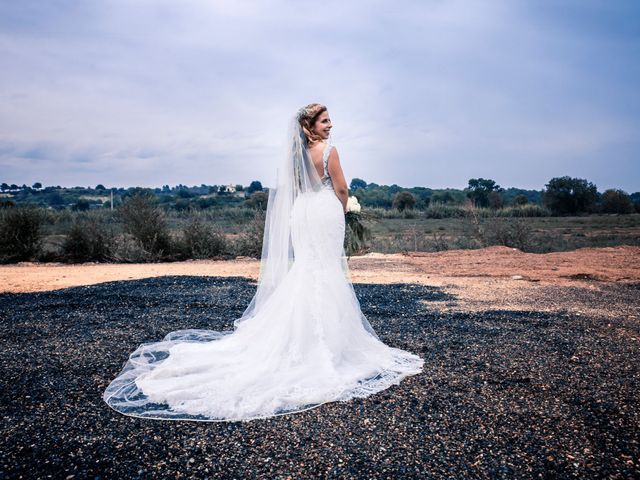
[(147, 223), (566, 195), (616, 201), (510, 232), (249, 242), (201, 239), (520, 200), (483, 191), (88, 240), (404, 201), (20, 233), (82, 205), (257, 199)]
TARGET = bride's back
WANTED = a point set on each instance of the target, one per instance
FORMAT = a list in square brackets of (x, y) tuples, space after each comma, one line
[(317, 157)]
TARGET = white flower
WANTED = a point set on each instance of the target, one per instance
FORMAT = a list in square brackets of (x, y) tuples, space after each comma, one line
[(353, 205)]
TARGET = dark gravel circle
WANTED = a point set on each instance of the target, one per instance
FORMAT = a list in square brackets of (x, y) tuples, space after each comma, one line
[(504, 394)]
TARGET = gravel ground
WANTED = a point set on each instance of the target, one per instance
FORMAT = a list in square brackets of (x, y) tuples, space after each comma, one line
[(504, 394)]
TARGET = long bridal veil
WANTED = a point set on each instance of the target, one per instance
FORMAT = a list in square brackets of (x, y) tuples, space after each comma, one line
[(302, 340)]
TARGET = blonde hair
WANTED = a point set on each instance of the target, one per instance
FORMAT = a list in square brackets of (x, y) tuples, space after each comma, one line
[(310, 114)]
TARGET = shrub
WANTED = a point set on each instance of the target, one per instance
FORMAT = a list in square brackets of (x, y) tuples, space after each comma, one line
[(473, 225), (495, 200), (20, 233), (147, 223), (526, 210), (201, 239), (440, 210), (82, 205), (206, 202), (404, 200), (257, 200), (88, 240), (616, 201), (439, 242), (510, 232), (249, 242), (520, 200), (127, 249)]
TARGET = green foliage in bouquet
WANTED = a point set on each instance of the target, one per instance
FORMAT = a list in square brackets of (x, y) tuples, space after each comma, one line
[(356, 233)]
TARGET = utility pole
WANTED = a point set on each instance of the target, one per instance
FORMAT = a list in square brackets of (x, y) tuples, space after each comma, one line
[(112, 199)]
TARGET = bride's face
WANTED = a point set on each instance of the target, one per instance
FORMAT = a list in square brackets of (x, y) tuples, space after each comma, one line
[(322, 125)]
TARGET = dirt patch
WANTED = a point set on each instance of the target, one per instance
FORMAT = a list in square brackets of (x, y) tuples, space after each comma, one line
[(484, 279)]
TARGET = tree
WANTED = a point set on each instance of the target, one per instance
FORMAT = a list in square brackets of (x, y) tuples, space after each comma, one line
[(375, 197), (37, 185), (357, 183), (616, 201), (4, 187), (635, 199), (55, 199), (184, 193), (100, 187), (442, 197), (479, 189), (206, 202), (239, 188), (255, 186), (495, 200), (566, 195), (520, 200), (146, 222), (133, 191), (20, 233), (257, 200), (404, 200), (82, 205)]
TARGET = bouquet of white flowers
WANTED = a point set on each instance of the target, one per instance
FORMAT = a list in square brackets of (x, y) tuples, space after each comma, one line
[(353, 205), (356, 233)]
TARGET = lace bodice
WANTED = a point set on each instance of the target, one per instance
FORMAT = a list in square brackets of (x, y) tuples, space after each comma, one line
[(326, 178)]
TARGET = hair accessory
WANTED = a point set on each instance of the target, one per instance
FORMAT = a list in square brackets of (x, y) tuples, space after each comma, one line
[(303, 112)]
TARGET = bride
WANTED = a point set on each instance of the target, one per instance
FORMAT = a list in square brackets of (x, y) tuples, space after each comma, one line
[(303, 340)]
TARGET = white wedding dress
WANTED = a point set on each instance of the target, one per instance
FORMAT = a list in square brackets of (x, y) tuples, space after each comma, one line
[(308, 344)]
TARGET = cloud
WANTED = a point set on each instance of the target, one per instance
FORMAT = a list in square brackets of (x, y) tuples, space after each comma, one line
[(420, 93)]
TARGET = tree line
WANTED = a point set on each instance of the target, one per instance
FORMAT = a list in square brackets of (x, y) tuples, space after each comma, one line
[(561, 195)]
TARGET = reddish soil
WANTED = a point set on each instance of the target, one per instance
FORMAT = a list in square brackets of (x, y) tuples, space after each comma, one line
[(488, 278)]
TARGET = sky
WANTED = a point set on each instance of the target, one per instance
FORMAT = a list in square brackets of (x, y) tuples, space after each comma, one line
[(420, 93)]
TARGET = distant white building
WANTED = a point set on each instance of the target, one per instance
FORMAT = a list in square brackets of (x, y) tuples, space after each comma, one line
[(229, 188)]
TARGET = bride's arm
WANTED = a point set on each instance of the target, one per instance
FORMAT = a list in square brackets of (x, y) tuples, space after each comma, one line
[(337, 177)]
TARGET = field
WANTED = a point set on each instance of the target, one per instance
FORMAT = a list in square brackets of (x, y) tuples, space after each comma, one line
[(545, 234), (531, 370), (395, 232)]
